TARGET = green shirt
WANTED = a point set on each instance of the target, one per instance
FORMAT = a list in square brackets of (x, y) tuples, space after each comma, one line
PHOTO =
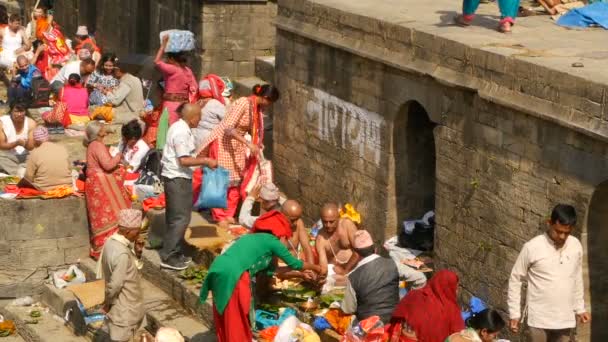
[(251, 252)]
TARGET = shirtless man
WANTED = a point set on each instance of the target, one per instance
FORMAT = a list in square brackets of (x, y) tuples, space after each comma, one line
[(334, 242), (293, 212)]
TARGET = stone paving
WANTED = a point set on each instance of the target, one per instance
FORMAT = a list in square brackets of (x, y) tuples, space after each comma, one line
[(535, 39)]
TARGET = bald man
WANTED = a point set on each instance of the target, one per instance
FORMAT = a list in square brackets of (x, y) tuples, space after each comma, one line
[(178, 160), (21, 86), (300, 239), (335, 242)]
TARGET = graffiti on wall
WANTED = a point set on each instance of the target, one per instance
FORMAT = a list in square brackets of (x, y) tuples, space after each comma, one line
[(346, 126)]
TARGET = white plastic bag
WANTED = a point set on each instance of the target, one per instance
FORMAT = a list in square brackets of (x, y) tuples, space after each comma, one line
[(286, 329), (76, 275), (179, 40)]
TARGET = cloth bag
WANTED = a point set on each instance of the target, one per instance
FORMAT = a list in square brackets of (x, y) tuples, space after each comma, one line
[(214, 191), (163, 128), (261, 175), (58, 115), (179, 40)]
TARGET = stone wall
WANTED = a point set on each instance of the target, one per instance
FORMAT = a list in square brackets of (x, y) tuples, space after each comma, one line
[(37, 236), (354, 122), (233, 33)]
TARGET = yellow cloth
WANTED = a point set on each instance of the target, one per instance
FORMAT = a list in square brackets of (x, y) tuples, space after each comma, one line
[(79, 119), (349, 212), (105, 113), (59, 192)]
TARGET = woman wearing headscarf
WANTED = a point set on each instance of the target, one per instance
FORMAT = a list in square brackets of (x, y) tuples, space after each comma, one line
[(180, 83), (245, 116), (430, 314), (230, 274), (105, 193), (211, 91)]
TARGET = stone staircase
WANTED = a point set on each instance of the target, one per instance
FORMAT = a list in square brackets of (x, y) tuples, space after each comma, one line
[(162, 310)]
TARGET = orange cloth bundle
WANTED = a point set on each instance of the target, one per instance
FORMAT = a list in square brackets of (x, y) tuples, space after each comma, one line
[(268, 334), (339, 320)]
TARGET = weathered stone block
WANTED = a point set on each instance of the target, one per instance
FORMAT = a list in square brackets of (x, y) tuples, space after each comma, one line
[(42, 257)]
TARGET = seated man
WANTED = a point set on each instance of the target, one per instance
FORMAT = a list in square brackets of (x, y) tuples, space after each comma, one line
[(128, 98), (270, 200), (334, 243), (300, 241), (82, 68), (16, 139), (21, 87), (48, 165), (372, 287)]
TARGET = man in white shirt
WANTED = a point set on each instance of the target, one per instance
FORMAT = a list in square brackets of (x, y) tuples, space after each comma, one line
[(178, 158), (552, 265), (82, 68)]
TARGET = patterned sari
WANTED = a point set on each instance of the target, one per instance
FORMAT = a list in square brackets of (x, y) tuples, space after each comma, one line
[(105, 194)]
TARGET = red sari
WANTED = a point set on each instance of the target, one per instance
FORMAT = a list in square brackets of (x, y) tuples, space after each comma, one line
[(105, 194), (431, 312)]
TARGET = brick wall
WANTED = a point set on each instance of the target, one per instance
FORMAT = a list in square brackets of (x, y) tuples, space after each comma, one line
[(502, 161)]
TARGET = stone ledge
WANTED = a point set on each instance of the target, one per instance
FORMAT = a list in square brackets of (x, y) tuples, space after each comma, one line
[(264, 68), (48, 328), (430, 52), (489, 91)]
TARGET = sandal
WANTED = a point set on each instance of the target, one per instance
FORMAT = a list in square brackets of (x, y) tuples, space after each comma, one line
[(463, 20), (505, 27)]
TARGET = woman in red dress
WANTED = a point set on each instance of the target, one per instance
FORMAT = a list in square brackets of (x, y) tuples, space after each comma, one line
[(104, 187)]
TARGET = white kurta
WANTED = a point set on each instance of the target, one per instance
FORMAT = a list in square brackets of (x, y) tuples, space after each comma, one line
[(555, 283)]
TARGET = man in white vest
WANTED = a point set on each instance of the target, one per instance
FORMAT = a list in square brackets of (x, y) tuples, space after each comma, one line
[(16, 140)]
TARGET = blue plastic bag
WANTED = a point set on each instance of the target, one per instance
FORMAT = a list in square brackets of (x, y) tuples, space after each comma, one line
[(214, 190)]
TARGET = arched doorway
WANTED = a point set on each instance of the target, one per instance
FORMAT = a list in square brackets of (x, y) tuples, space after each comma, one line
[(597, 262), (414, 163)]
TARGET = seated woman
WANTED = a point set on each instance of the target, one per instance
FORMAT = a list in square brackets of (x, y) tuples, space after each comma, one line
[(48, 165), (430, 314), (104, 190), (482, 327), (132, 146), (102, 80), (76, 98)]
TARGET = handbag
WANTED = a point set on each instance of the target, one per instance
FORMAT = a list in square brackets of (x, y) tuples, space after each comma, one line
[(58, 114), (214, 191), (262, 174)]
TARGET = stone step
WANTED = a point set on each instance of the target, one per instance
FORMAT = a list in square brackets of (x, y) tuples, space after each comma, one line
[(50, 327), (163, 311), (264, 68), (243, 86), (13, 338)]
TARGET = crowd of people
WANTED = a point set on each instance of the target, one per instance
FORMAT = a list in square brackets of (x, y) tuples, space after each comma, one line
[(198, 124)]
